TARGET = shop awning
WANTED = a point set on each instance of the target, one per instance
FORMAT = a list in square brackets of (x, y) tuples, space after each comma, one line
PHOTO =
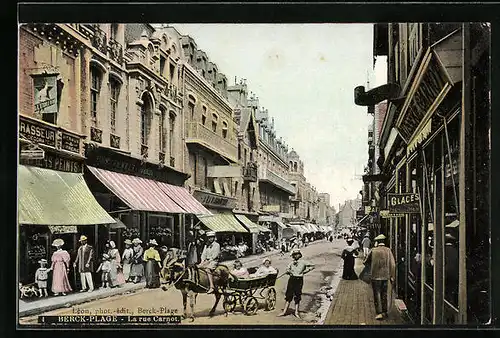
[(222, 223), (136, 192), (281, 225), (49, 197), (118, 225), (183, 198), (252, 227), (297, 228)]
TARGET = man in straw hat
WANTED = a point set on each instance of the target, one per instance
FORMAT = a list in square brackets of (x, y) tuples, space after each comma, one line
[(210, 258), (85, 262), (296, 269), (383, 269)]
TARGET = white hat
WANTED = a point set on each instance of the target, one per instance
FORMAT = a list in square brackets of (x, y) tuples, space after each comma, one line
[(112, 244), (380, 237), (58, 242), (136, 241), (83, 238), (153, 241), (210, 234), (128, 241), (295, 251), (267, 259)]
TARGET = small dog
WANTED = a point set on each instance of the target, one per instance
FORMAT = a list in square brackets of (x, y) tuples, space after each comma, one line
[(28, 290)]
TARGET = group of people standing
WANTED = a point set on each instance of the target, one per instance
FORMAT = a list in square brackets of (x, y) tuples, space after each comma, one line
[(115, 269)]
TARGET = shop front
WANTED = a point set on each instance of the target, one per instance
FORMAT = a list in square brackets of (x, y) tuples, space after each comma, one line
[(258, 232), (275, 224), (441, 241), (54, 200), (142, 196)]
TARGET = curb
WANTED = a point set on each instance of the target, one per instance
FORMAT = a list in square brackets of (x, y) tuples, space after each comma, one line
[(333, 284), (89, 298)]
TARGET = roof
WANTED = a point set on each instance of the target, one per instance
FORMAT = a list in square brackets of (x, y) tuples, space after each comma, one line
[(49, 197)]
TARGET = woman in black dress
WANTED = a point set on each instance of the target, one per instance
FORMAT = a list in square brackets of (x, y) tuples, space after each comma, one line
[(348, 255)]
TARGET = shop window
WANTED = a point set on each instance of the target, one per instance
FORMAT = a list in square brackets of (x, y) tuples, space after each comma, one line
[(95, 91), (114, 86), (451, 216)]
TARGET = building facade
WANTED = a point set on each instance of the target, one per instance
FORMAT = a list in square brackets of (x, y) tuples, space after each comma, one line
[(435, 144), (298, 180)]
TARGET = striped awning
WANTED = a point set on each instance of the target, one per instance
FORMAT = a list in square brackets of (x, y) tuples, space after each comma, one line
[(183, 198), (136, 192), (55, 198), (281, 225), (251, 226), (297, 228), (222, 223)]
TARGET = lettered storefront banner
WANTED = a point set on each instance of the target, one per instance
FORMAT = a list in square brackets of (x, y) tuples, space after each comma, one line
[(405, 203)]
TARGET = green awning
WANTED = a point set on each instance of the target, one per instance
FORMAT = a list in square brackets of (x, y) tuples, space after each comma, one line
[(222, 223), (50, 197), (252, 227)]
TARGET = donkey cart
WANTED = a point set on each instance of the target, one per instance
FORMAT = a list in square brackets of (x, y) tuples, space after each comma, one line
[(246, 293)]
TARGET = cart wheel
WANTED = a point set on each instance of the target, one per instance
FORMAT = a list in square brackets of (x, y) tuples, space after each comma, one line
[(271, 299), (229, 303), (251, 306)]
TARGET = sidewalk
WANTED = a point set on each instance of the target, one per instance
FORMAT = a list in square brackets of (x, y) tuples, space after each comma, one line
[(353, 304), (29, 308)]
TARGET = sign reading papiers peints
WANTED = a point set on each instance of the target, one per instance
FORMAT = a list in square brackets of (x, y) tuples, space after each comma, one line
[(405, 203)]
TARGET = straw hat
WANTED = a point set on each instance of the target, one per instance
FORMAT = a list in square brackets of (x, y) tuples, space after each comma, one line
[(380, 237), (296, 252), (266, 260), (153, 241), (83, 238), (128, 241), (58, 242), (210, 234), (43, 260), (136, 241)]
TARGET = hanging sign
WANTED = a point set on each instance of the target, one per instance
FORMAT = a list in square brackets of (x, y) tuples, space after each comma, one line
[(33, 154), (387, 214), (406, 203), (45, 94)]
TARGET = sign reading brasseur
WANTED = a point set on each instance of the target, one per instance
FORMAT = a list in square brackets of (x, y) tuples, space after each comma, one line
[(405, 203)]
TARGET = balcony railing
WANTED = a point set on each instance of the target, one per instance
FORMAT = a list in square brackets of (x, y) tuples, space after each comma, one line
[(144, 150), (115, 51), (199, 134), (250, 172), (161, 157), (276, 180), (114, 141)]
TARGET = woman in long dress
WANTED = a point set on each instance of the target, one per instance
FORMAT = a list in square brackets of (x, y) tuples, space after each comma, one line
[(60, 269), (115, 274), (153, 265), (127, 256), (349, 255), (137, 268)]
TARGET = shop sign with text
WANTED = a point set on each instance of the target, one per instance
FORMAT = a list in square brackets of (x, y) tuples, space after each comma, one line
[(214, 200), (403, 203), (387, 214)]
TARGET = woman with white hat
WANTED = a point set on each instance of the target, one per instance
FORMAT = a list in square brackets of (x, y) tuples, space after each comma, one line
[(128, 254), (60, 268), (116, 277), (153, 265), (137, 268), (265, 269)]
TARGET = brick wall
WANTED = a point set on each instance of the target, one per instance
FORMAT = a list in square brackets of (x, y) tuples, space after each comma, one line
[(27, 44)]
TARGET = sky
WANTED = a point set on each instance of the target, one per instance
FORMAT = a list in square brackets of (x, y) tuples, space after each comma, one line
[(305, 75)]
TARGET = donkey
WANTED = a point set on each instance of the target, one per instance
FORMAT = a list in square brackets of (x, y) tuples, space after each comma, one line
[(183, 280)]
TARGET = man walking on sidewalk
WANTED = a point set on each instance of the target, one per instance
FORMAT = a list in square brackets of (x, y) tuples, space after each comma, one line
[(383, 269)]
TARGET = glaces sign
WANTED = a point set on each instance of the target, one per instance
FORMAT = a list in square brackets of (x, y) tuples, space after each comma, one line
[(404, 203)]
